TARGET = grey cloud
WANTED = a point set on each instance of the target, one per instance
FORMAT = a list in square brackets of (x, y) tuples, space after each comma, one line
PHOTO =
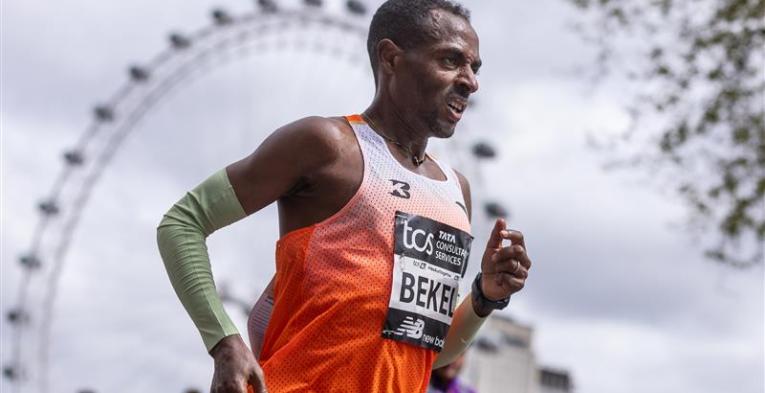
[(606, 266)]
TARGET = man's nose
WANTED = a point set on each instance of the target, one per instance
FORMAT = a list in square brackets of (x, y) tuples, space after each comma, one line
[(469, 80)]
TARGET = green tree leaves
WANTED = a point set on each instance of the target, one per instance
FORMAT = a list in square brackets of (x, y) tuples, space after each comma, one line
[(699, 110)]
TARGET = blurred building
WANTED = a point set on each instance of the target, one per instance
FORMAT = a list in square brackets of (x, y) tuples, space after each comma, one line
[(502, 360), (554, 381)]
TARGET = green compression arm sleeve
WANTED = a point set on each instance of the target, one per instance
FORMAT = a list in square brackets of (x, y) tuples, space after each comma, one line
[(181, 239), (465, 325)]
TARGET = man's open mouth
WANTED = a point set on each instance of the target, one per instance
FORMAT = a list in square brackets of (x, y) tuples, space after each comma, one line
[(457, 106)]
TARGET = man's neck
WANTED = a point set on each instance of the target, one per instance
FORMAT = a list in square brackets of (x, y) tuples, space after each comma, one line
[(389, 121)]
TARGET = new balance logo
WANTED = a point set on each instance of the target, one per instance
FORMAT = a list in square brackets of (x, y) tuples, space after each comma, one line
[(411, 327), (400, 189)]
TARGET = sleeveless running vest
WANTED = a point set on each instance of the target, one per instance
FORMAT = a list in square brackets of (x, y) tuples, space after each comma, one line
[(362, 300)]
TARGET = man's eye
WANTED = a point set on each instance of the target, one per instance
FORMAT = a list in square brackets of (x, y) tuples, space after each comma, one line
[(450, 61)]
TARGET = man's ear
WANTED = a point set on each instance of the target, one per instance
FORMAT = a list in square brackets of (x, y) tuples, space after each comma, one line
[(388, 53)]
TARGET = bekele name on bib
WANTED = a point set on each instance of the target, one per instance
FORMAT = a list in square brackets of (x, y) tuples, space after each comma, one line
[(429, 260)]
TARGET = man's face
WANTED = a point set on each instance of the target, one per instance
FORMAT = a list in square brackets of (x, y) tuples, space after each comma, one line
[(435, 80)]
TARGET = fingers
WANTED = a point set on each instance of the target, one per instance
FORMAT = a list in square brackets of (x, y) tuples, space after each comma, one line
[(496, 236), (512, 267), (516, 252), (512, 281), (255, 386), (256, 382), (516, 237), (499, 233), (238, 375), (251, 388), (230, 387)]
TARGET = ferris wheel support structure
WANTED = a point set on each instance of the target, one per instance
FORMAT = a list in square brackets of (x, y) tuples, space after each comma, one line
[(229, 37)]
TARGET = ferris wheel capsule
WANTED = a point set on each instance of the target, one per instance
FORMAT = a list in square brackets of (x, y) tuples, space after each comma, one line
[(114, 118)]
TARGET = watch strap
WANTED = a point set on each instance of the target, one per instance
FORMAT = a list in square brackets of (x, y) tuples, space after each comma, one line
[(481, 304)]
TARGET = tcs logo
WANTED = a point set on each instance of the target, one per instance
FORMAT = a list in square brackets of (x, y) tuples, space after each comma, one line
[(418, 239)]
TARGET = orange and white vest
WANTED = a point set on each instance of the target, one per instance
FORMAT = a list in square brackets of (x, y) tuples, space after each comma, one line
[(363, 299)]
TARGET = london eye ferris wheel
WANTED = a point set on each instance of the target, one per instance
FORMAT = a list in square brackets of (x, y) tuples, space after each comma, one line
[(263, 68)]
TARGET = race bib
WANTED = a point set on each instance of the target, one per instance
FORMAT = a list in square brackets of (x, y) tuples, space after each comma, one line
[(429, 260)]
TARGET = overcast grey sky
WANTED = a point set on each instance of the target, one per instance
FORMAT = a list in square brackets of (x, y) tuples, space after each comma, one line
[(619, 295)]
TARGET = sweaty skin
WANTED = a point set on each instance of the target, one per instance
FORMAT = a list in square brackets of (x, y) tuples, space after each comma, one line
[(312, 168)]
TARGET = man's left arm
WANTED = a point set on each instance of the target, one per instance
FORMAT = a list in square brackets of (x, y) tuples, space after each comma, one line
[(504, 270)]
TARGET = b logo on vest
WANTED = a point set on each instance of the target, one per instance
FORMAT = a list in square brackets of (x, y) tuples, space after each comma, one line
[(400, 189)]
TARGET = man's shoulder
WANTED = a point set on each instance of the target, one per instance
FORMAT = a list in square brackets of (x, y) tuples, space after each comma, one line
[(320, 131), (322, 136), (320, 126)]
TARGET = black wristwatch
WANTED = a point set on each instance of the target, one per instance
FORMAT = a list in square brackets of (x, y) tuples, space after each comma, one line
[(483, 306)]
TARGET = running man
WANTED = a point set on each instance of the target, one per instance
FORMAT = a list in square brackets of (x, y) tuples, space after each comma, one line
[(375, 233)]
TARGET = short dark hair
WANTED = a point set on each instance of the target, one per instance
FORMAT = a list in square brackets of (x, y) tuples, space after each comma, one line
[(407, 23)]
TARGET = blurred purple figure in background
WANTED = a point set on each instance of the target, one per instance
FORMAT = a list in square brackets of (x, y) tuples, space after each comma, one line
[(445, 379)]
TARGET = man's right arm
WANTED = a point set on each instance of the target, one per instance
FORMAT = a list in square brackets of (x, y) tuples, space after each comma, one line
[(181, 239), (290, 154)]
